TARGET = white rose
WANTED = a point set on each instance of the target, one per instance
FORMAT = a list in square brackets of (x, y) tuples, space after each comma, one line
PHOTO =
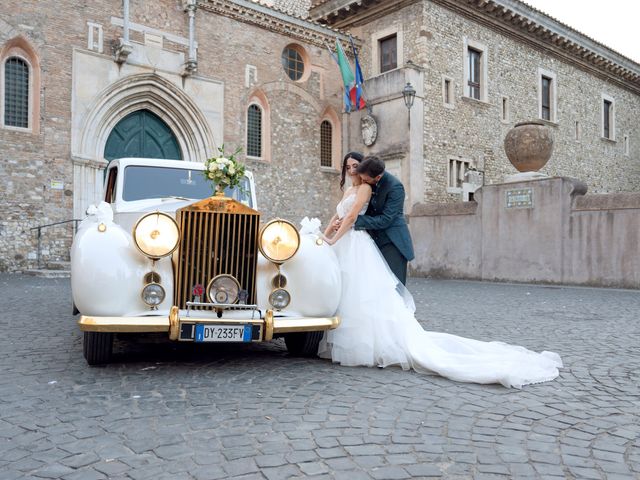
[(211, 176), (231, 169), (213, 166)]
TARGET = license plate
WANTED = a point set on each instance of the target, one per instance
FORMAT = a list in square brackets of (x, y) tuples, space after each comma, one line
[(223, 333)]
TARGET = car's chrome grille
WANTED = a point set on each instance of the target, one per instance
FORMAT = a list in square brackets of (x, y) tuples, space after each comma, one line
[(214, 243)]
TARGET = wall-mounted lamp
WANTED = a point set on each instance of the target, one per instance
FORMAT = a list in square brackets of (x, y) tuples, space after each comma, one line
[(408, 94)]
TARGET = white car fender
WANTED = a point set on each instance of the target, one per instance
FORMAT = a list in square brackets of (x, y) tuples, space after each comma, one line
[(313, 280), (107, 270)]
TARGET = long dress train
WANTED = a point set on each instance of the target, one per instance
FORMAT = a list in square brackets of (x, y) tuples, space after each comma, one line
[(379, 328)]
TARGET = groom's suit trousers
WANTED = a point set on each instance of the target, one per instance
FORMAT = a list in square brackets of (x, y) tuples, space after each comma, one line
[(397, 262)]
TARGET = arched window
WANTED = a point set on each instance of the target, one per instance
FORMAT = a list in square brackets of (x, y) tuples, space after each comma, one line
[(254, 131), (330, 139), (258, 126), (16, 92), (326, 144), (19, 86)]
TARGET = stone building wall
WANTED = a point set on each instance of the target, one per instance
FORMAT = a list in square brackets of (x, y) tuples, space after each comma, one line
[(432, 37), (291, 184), (29, 161), (408, 20), (474, 130), (394, 139)]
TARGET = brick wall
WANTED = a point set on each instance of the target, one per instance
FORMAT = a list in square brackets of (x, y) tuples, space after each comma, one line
[(290, 185)]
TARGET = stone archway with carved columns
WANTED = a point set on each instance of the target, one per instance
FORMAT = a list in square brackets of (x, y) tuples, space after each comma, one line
[(135, 92)]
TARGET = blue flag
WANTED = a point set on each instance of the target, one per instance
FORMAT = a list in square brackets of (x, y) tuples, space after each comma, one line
[(357, 93)]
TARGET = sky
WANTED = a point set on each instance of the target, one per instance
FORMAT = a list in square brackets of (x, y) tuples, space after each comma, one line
[(613, 23)]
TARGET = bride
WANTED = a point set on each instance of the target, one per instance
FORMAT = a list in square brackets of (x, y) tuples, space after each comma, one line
[(378, 325)]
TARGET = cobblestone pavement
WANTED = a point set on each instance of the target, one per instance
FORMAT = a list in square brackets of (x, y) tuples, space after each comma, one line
[(252, 412)]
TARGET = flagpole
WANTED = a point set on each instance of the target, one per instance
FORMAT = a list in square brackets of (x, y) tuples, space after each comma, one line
[(355, 56)]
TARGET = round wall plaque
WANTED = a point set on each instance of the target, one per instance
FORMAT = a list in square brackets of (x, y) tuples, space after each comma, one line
[(369, 130)]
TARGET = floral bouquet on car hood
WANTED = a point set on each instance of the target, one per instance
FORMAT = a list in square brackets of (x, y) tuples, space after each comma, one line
[(224, 171)]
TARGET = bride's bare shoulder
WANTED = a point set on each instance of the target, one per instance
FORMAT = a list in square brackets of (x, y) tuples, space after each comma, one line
[(364, 188), (349, 191)]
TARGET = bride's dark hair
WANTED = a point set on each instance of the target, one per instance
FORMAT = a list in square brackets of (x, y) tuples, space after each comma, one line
[(357, 156)]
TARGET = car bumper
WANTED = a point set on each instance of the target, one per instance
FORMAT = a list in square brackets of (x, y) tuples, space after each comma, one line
[(180, 326)]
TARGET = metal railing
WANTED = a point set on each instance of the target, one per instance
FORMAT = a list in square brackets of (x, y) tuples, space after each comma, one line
[(39, 228)]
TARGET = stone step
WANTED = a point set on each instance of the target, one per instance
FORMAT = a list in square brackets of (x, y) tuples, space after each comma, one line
[(58, 265), (46, 273)]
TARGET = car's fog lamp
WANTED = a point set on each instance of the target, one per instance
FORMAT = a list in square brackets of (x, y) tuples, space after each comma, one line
[(279, 281), (279, 298), (156, 235), (153, 294), (223, 289), (279, 241)]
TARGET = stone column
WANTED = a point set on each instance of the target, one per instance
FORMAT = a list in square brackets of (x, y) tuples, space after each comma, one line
[(413, 165), (88, 178)]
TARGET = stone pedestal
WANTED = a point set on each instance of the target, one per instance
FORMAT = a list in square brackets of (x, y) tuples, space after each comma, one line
[(524, 177)]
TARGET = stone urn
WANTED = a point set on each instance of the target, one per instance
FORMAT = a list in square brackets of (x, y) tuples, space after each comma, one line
[(528, 146)]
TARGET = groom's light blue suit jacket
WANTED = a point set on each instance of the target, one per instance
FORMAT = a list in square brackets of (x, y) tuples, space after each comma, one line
[(384, 218)]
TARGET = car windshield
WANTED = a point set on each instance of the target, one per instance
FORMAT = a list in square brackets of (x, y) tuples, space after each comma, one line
[(143, 182)]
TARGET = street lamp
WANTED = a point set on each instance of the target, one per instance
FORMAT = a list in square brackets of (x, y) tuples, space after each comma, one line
[(408, 94)]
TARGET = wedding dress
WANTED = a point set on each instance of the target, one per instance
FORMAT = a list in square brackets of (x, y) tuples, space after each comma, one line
[(378, 327)]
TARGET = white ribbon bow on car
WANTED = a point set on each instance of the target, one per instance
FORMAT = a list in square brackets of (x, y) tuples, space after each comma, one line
[(310, 226)]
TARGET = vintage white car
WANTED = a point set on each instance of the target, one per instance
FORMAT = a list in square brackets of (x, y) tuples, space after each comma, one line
[(161, 254)]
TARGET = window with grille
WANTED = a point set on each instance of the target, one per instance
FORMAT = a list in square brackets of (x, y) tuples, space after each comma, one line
[(326, 144), (474, 73), (606, 120), (547, 95), (16, 93), (388, 53), (546, 98), (254, 131), (293, 63)]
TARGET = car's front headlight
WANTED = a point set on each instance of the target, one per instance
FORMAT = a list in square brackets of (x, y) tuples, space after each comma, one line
[(279, 241), (156, 235)]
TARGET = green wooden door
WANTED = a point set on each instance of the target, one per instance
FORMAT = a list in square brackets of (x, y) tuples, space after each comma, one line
[(142, 134)]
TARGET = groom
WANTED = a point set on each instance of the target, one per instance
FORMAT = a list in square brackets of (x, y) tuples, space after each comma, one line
[(384, 218)]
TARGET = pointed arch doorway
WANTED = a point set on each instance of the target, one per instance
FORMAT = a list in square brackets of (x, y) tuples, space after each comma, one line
[(142, 134)]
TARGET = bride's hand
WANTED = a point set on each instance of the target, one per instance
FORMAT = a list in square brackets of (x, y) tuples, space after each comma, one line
[(326, 239)]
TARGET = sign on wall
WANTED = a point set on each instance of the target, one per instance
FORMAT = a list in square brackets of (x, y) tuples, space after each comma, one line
[(519, 198)]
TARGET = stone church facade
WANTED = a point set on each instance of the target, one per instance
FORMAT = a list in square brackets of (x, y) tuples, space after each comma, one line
[(162, 79), (82, 83)]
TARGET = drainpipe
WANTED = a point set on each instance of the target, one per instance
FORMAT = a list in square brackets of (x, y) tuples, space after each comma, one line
[(124, 48), (191, 66)]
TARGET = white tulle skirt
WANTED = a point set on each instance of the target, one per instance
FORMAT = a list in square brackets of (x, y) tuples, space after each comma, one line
[(379, 328)]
